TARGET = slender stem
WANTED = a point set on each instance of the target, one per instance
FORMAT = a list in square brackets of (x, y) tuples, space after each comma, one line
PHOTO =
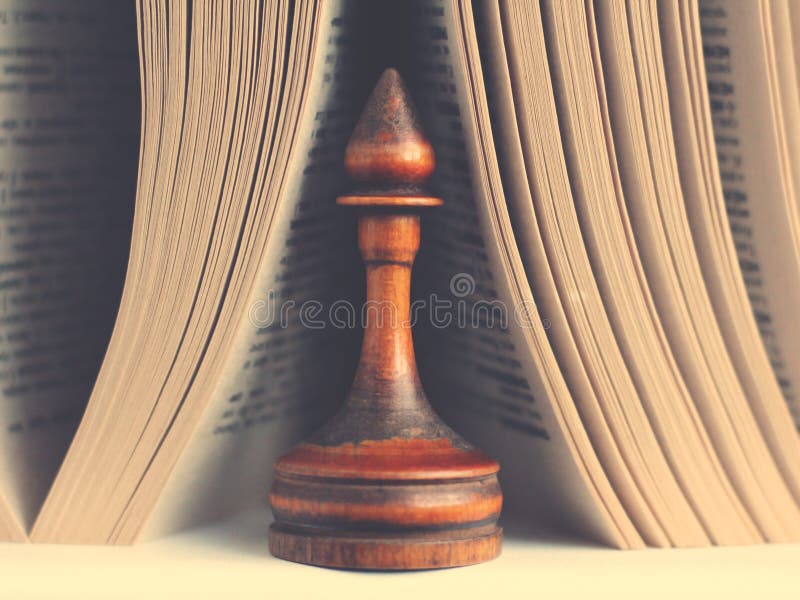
[(388, 245)]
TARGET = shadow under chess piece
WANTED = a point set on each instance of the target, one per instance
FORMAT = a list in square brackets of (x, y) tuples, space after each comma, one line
[(386, 484)]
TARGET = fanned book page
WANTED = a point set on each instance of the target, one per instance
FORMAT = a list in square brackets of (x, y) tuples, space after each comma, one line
[(246, 155), (503, 383), (606, 302), (69, 133), (757, 172)]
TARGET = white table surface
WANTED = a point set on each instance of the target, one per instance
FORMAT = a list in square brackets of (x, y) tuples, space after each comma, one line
[(230, 560)]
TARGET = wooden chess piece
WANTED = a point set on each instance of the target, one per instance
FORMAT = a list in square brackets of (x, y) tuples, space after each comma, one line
[(385, 484)]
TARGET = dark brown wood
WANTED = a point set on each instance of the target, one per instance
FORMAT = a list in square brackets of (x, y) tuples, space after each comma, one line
[(386, 484)]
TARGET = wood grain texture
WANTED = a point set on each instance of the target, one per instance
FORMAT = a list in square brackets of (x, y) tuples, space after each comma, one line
[(388, 553), (386, 484)]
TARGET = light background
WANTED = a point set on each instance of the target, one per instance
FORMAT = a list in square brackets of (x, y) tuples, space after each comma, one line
[(231, 561)]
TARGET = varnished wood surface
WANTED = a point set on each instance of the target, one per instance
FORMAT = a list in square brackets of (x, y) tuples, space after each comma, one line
[(386, 484), (407, 459), (359, 505), (410, 201), (389, 553), (388, 146)]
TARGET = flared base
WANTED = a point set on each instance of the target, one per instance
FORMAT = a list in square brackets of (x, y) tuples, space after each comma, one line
[(386, 504)]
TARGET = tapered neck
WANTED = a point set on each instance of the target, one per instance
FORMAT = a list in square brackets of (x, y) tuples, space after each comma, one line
[(388, 244)]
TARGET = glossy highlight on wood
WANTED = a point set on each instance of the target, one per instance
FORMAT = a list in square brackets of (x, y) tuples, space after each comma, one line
[(386, 484), (387, 147)]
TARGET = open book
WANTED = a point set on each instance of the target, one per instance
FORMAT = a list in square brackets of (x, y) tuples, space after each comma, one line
[(606, 303)]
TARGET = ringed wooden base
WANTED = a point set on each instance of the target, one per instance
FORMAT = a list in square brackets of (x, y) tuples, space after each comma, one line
[(404, 551), (391, 504)]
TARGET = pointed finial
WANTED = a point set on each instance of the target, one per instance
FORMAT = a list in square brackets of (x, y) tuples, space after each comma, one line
[(388, 149)]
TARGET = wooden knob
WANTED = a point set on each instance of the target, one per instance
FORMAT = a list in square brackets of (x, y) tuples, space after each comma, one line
[(388, 147), (386, 484)]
